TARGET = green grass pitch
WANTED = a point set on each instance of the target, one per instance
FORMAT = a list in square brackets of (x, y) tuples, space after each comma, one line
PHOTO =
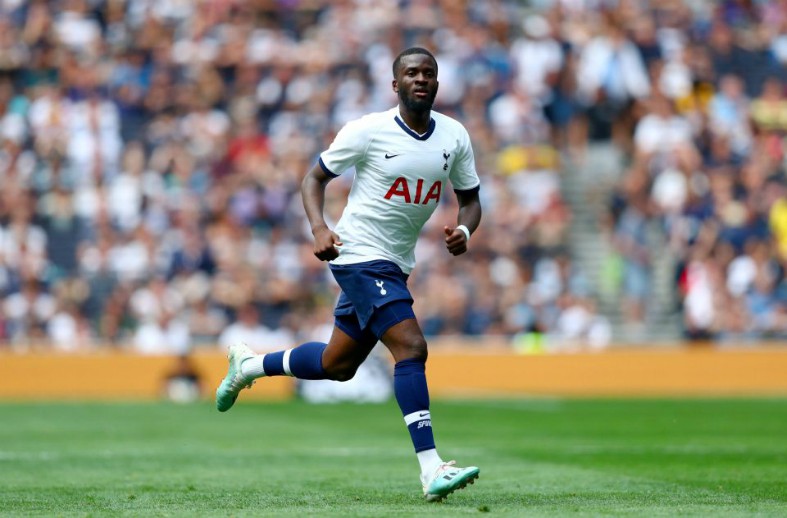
[(538, 457)]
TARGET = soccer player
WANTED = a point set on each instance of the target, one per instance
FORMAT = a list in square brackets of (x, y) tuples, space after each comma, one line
[(403, 158)]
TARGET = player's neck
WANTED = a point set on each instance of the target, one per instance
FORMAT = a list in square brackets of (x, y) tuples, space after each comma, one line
[(418, 121)]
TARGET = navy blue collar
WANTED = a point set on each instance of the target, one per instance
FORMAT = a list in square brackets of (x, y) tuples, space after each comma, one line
[(413, 134)]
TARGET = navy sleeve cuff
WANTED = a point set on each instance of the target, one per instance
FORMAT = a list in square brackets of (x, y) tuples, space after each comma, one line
[(468, 191), (326, 170)]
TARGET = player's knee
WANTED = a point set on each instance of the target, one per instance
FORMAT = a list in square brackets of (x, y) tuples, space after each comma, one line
[(340, 371), (416, 349)]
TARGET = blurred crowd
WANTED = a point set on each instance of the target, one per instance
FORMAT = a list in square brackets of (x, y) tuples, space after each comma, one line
[(151, 154), (705, 166)]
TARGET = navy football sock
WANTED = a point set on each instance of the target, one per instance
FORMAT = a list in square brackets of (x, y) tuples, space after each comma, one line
[(412, 394), (303, 362)]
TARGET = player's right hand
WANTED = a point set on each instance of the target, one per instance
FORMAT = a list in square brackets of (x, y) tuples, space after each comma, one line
[(326, 244)]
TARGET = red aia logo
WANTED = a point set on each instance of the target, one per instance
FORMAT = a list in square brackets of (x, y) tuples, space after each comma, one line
[(401, 188)]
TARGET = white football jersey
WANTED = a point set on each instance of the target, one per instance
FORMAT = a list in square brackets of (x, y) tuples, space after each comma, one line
[(400, 177)]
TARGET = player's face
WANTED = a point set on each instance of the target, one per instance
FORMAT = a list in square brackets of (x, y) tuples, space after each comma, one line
[(416, 82)]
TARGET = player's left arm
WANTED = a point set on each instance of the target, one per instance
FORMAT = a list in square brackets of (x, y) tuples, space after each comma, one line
[(469, 216), (464, 178)]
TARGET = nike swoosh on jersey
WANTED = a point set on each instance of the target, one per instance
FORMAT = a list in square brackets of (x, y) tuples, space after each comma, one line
[(391, 156)]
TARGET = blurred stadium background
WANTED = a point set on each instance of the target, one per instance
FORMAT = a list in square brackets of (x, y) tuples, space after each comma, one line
[(632, 157)]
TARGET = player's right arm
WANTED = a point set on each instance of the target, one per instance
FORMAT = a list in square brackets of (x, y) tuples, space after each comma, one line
[(313, 186), (344, 152)]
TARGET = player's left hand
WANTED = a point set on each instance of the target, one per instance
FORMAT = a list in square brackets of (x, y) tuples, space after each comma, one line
[(455, 240)]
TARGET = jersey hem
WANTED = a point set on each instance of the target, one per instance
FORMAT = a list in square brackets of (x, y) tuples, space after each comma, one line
[(406, 269)]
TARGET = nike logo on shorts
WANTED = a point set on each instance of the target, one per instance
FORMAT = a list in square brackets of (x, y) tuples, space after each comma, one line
[(391, 156)]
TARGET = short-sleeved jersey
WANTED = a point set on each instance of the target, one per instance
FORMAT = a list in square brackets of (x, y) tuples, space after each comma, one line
[(399, 180)]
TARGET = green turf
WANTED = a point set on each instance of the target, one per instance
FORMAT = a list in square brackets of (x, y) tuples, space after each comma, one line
[(537, 458)]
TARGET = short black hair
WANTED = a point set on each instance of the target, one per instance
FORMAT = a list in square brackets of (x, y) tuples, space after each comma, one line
[(409, 52)]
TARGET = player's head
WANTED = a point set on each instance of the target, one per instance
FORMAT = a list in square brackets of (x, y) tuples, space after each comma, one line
[(415, 78), (412, 51)]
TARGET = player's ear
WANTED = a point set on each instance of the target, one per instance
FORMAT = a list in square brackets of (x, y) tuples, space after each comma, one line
[(395, 86)]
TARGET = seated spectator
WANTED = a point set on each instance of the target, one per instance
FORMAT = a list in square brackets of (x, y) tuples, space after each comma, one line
[(248, 329), (729, 113), (163, 334), (661, 130), (769, 110)]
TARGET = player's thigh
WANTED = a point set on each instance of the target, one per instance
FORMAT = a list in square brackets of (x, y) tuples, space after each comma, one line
[(343, 350), (405, 340)]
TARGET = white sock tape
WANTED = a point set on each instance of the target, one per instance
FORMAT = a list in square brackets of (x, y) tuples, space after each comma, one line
[(286, 362)]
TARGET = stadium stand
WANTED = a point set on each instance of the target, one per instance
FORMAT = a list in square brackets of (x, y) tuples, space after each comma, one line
[(632, 156)]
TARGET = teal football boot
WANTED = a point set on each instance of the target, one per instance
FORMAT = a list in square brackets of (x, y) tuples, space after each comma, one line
[(234, 381), (446, 479)]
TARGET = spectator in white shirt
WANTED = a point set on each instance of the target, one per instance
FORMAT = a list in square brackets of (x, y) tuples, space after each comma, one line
[(661, 130), (248, 329)]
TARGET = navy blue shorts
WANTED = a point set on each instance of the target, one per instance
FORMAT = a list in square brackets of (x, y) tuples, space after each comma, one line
[(374, 298)]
